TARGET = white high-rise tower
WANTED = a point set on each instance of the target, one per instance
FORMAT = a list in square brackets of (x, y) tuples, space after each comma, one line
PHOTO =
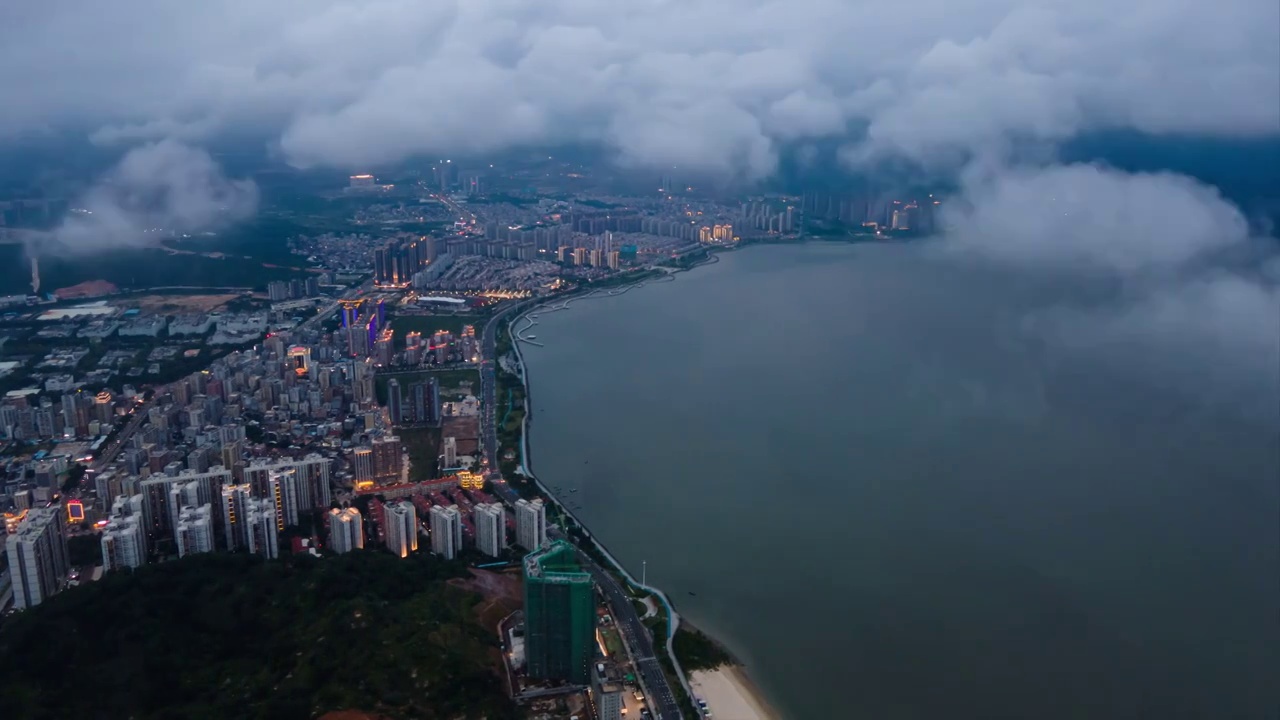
[(491, 529), (531, 524), (402, 528), (446, 531), (346, 530)]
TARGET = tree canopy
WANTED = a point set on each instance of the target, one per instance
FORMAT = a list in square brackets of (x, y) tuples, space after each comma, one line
[(227, 635)]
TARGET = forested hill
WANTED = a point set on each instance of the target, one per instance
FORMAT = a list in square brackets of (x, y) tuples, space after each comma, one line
[(230, 636)]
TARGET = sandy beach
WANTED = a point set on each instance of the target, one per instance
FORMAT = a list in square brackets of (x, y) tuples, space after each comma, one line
[(730, 695)]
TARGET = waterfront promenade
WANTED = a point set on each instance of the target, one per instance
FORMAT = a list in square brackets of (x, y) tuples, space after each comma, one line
[(635, 634)]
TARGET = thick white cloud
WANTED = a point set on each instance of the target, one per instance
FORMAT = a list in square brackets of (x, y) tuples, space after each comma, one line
[(155, 190), (715, 84), (1090, 218), (1159, 267)]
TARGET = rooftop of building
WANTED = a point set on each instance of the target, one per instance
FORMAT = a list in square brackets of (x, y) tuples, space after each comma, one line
[(36, 520), (121, 523), (557, 563)]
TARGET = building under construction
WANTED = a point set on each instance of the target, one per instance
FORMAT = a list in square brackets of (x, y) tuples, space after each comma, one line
[(559, 615)]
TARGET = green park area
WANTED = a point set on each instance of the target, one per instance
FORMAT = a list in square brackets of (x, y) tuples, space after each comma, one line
[(217, 635), (510, 397), (696, 651), (511, 407), (612, 641), (510, 419), (454, 383), (423, 446)]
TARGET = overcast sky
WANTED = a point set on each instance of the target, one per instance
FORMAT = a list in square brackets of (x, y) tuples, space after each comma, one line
[(716, 85), (710, 83)]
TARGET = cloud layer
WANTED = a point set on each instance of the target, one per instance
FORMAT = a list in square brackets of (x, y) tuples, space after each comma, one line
[(712, 84), (1183, 287), (1087, 217), (156, 190)]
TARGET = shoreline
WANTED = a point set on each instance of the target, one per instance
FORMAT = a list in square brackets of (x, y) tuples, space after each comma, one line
[(730, 693), (733, 682)]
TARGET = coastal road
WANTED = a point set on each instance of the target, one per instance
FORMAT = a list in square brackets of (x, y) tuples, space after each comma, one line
[(637, 636), (639, 641)]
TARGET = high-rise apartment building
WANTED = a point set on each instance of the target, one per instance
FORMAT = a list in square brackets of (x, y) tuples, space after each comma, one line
[(388, 459), (531, 524), (362, 464), (111, 485), (194, 533), (384, 349), (159, 511), (282, 491), (559, 615), (450, 453), (402, 528), (181, 495), (232, 452), (362, 321), (278, 291), (123, 543), (127, 505), (446, 531), (346, 530), (235, 513), (418, 402), (395, 263), (261, 535), (312, 486), (38, 559), (491, 528), (433, 398), (395, 401)]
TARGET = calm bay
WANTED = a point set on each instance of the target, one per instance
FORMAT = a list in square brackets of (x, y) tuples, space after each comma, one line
[(865, 470)]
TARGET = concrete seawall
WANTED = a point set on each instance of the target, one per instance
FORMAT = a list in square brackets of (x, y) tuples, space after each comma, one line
[(525, 466)]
